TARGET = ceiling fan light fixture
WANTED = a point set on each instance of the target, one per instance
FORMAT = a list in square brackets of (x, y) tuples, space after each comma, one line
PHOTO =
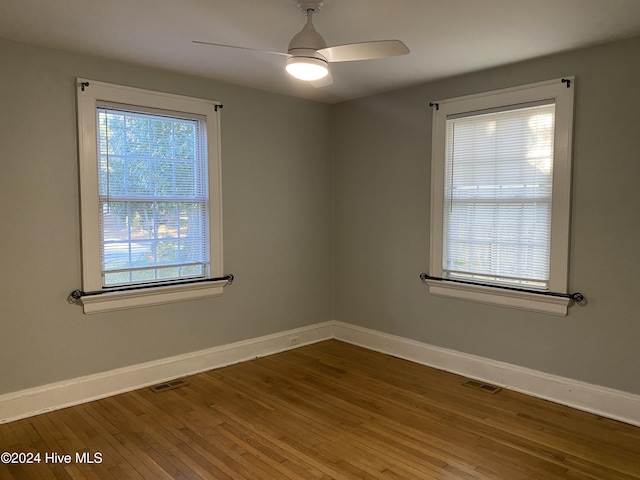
[(307, 68)]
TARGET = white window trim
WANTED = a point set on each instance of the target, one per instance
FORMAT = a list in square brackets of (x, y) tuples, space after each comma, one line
[(562, 91), (88, 93), (159, 295)]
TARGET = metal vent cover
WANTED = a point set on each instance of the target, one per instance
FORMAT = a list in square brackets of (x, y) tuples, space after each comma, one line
[(163, 387), (485, 387)]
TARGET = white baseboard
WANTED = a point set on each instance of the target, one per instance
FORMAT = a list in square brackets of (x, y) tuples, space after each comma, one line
[(603, 401), (54, 396)]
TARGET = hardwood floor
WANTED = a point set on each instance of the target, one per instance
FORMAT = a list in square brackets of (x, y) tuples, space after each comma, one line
[(324, 411)]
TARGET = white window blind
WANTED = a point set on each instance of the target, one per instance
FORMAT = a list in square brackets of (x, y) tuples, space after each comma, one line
[(497, 195), (153, 196)]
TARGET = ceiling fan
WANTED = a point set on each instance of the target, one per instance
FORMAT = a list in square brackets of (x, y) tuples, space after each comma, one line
[(308, 55)]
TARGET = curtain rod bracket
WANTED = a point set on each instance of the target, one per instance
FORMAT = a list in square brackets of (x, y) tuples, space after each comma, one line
[(567, 81), (74, 296), (434, 104), (216, 107)]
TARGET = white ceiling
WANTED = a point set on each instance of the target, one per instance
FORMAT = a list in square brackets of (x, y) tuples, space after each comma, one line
[(446, 37)]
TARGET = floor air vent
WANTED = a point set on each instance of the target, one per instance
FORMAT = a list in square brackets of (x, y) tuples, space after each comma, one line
[(163, 387), (485, 387)]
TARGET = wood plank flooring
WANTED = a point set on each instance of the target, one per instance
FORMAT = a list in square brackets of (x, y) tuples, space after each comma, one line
[(324, 411)]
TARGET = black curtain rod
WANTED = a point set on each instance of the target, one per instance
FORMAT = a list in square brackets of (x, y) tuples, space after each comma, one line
[(576, 297), (78, 294)]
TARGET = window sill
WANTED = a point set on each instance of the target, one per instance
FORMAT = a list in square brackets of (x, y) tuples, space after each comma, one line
[(504, 298), (112, 301)]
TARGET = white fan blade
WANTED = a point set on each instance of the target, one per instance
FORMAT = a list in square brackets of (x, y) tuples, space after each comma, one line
[(323, 82), (241, 48), (364, 51)]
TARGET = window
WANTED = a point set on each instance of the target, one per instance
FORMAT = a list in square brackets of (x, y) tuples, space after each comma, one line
[(501, 178), (150, 196)]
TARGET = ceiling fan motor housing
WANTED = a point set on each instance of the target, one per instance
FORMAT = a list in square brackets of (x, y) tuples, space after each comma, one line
[(307, 42)]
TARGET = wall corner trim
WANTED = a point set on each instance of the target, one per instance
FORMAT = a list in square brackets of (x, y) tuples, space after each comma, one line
[(603, 401)]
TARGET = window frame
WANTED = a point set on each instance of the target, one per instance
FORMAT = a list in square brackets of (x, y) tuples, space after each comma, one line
[(89, 93), (561, 90)]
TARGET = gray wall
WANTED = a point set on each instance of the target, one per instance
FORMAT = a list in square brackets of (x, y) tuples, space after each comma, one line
[(382, 150), (285, 244), (277, 223)]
